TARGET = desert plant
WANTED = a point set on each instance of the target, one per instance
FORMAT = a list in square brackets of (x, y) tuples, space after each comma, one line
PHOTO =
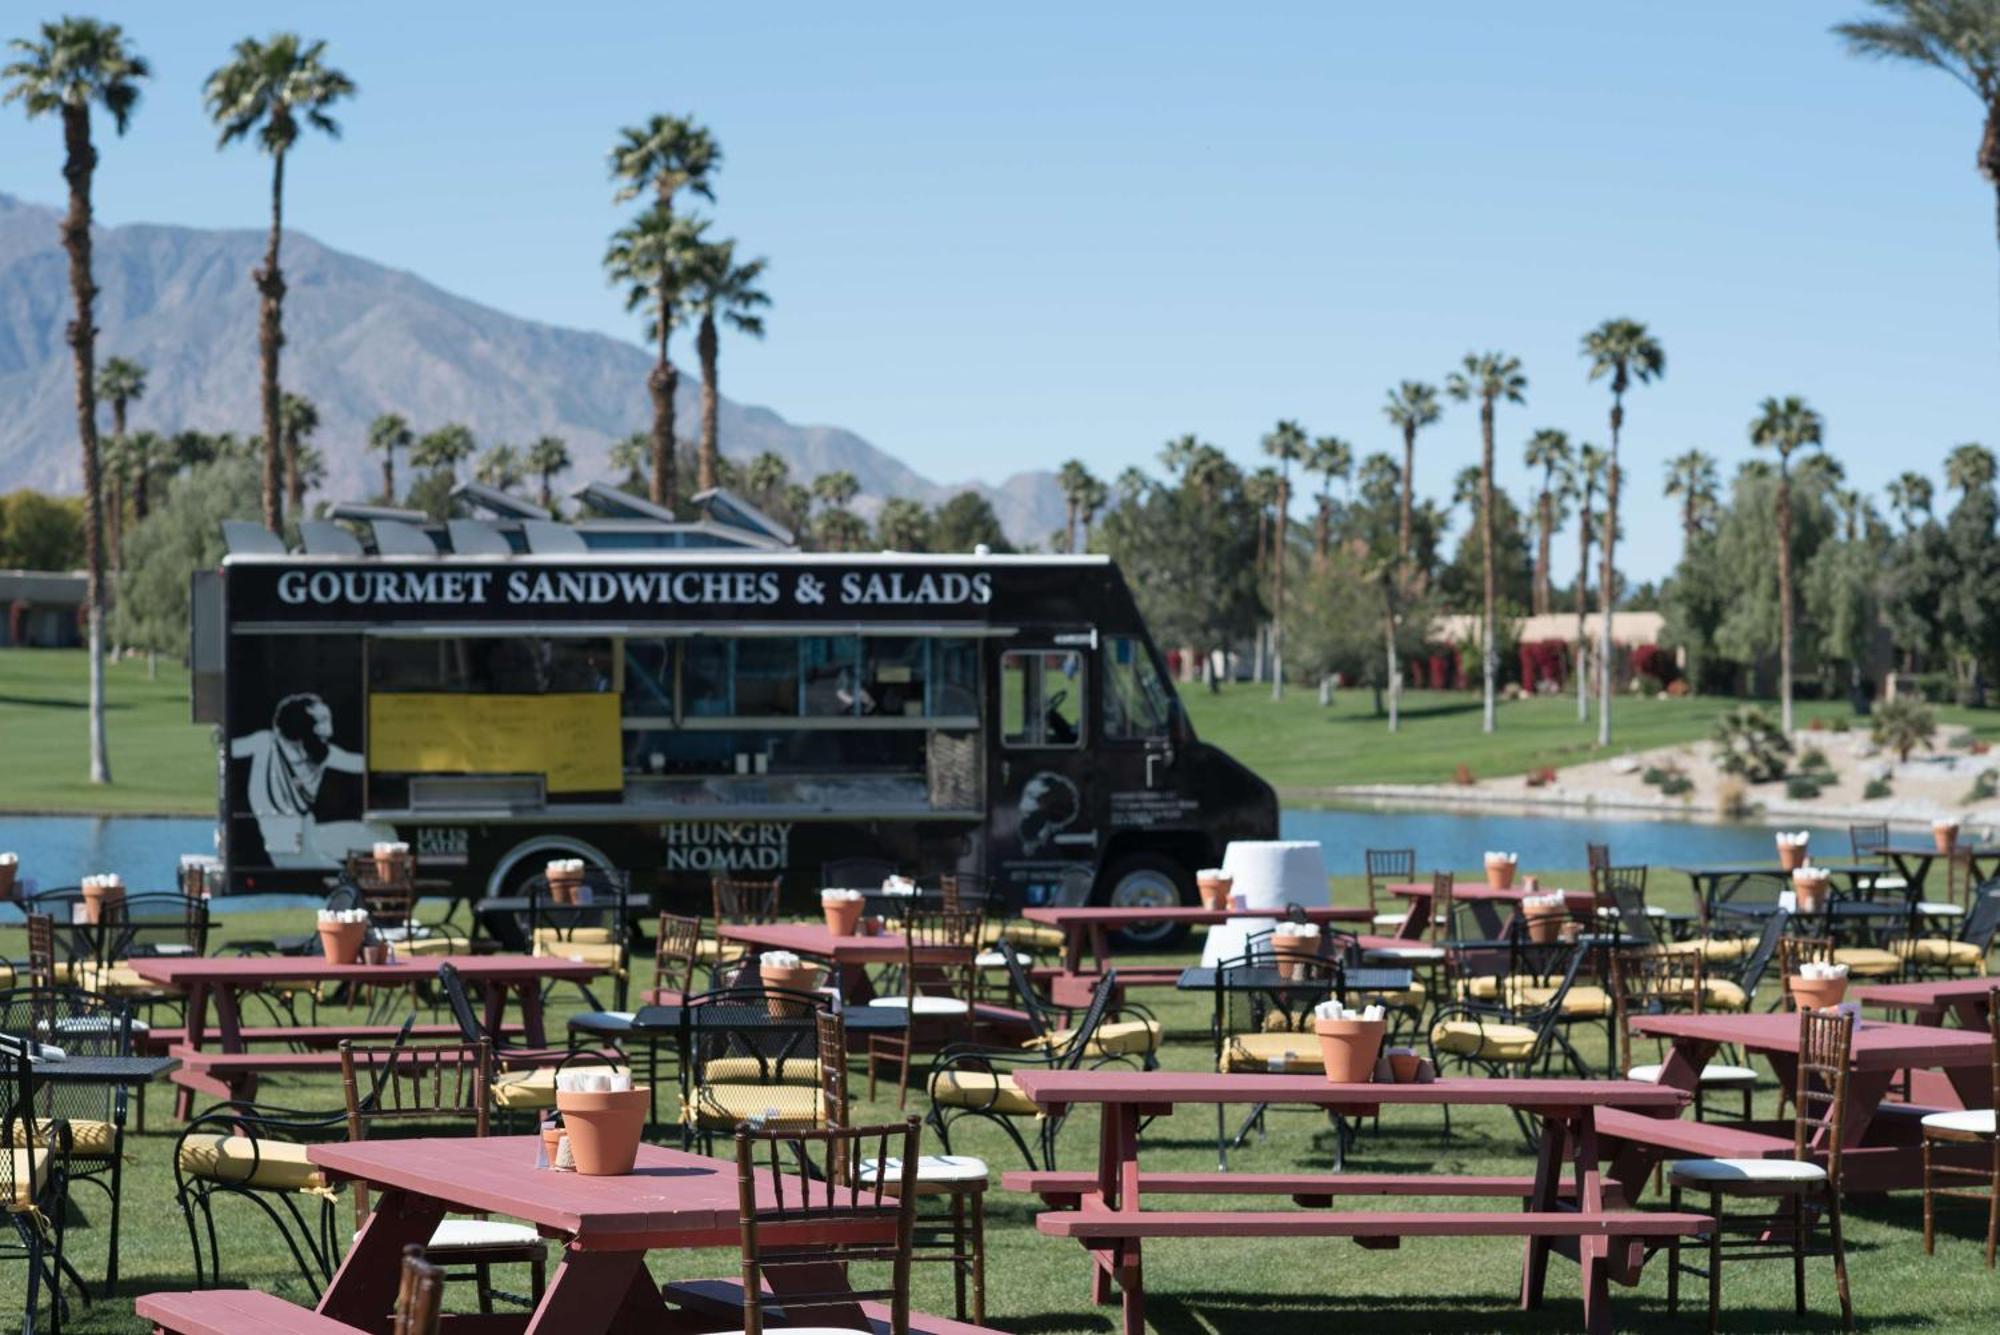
[(1984, 788), (1839, 725), (1753, 746), (1961, 740), (1732, 800), (1802, 787), (1813, 758), (1876, 788), (1903, 725), (1676, 784)]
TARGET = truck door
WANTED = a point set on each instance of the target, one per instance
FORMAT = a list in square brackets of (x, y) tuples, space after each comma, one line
[(1046, 807)]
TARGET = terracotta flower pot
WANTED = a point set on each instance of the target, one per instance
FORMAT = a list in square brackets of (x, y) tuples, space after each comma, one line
[(392, 867), (1809, 893), (1545, 921), (787, 978), (1500, 875), (563, 884), (843, 916), (1349, 1048), (341, 941), (1811, 994), (96, 898), (1214, 890), (1791, 857), (375, 952), (1288, 952), (1945, 837), (551, 1138), (1403, 1065), (604, 1128)]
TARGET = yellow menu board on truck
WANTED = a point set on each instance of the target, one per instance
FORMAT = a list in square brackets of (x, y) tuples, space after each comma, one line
[(573, 740)]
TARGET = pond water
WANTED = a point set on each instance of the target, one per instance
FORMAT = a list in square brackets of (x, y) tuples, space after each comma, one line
[(60, 850)]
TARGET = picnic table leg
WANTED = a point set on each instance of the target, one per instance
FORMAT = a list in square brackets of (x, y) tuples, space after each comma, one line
[(598, 1291), (1595, 1253), (228, 1019), (1417, 920), (1073, 947), (365, 1286), (1547, 1191), (1100, 946)]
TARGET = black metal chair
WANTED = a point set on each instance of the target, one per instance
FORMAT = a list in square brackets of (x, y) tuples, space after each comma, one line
[(1494, 1040), (33, 1185), (1962, 954), (979, 1082), (596, 929), (524, 1077), (1269, 1027), (1129, 1032), (752, 1054), (82, 1024)]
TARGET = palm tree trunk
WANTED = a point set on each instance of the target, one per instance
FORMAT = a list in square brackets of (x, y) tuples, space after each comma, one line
[(1543, 590), (1395, 682), (388, 477), (708, 467), (114, 516), (1604, 593), (79, 162), (1582, 593), (1322, 529), (548, 492), (270, 338), (1489, 652), (1989, 158), (295, 487), (1278, 561), (1784, 597), (661, 385), (1409, 481)]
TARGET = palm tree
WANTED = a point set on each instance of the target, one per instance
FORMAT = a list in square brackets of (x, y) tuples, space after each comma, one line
[(629, 457), (120, 383), (499, 467), (652, 257), (903, 525), (275, 88), (1960, 37), (1582, 484), (146, 461), (443, 450), (1910, 496), (1260, 491), (1330, 458), (666, 155), (1488, 377), (833, 491), (766, 477), (77, 63), (1969, 468), (1287, 443), (1073, 478), (1548, 450), (1622, 349), (1092, 500), (387, 434), (548, 456), (720, 289), (1785, 425), (1692, 477), (298, 418), (1412, 406)]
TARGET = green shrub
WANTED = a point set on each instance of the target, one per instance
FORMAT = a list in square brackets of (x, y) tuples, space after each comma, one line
[(1813, 759), (1674, 785), (1653, 776), (1802, 787), (1841, 723), (1753, 745), (1903, 725), (1984, 788), (1876, 788)]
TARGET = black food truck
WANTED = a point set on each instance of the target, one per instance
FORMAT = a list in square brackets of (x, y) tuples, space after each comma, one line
[(685, 699)]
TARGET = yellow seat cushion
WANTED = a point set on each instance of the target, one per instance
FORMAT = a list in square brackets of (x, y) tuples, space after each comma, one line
[(88, 1138), (576, 936), (1415, 997), (1584, 1001), (1713, 949), (535, 1088), (1868, 961), (1940, 952), (1722, 995), (749, 1071), (271, 1165), (1487, 1042), (1289, 1053), (1031, 936), (117, 980), (1117, 1038), (31, 1169), (430, 945), (981, 1091), (722, 1107), (604, 954)]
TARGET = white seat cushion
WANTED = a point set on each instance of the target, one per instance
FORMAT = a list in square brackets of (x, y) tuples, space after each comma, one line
[(1419, 954), (1937, 908), (1713, 1074), (995, 959), (1388, 919), (1774, 1177), (926, 1005), (1974, 1122), (932, 1168)]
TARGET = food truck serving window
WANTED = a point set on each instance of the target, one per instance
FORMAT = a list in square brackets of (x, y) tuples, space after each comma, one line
[(1041, 697)]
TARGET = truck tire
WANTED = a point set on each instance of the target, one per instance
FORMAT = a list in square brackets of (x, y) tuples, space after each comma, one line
[(1148, 880)]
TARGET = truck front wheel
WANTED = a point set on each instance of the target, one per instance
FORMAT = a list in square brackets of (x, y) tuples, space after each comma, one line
[(1149, 881)]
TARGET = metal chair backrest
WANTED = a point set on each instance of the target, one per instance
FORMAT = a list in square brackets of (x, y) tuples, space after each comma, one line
[(1982, 921), (1630, 902), (1651, 982), (420, 1299), (155, 923), (1385, 867), (1288, 1009), (1760, 956), (428, 1083), (19, 1125), (344, 895), (1084, 1032), (470, 1027), (676, 953), (41, 950), (855, 873), (1867, 840), (860, 1217), (1545, 1016), (1029, 1000), (604, 897), (1826, 1050), (743, 902), (738, 1022), (82, 1024)]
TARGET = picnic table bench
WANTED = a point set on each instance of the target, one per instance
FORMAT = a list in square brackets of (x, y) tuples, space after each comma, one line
[(1585, 1221)]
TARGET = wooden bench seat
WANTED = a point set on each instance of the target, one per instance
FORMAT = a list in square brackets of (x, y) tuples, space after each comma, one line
[(234, 1312), (1705, 1140), (161, 1041), (1066, 1189), (722, 1299), (1109, 1225)]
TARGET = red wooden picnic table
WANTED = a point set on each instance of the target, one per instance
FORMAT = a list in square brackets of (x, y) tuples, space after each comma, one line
[(606, 1225), (1095, 923), (1581, 1218), (850, 956), (1966, 998), (228, 979), (1883, 1149), (1484, 900)]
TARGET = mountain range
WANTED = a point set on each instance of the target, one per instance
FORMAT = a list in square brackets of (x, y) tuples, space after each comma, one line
[(363, 339)]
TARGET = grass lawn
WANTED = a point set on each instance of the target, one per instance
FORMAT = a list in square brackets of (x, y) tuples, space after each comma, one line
[(1302, 748), (1040, 1286), (160, 762)]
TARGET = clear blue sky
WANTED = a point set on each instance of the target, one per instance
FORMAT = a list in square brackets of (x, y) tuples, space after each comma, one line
[(1005, 236)]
